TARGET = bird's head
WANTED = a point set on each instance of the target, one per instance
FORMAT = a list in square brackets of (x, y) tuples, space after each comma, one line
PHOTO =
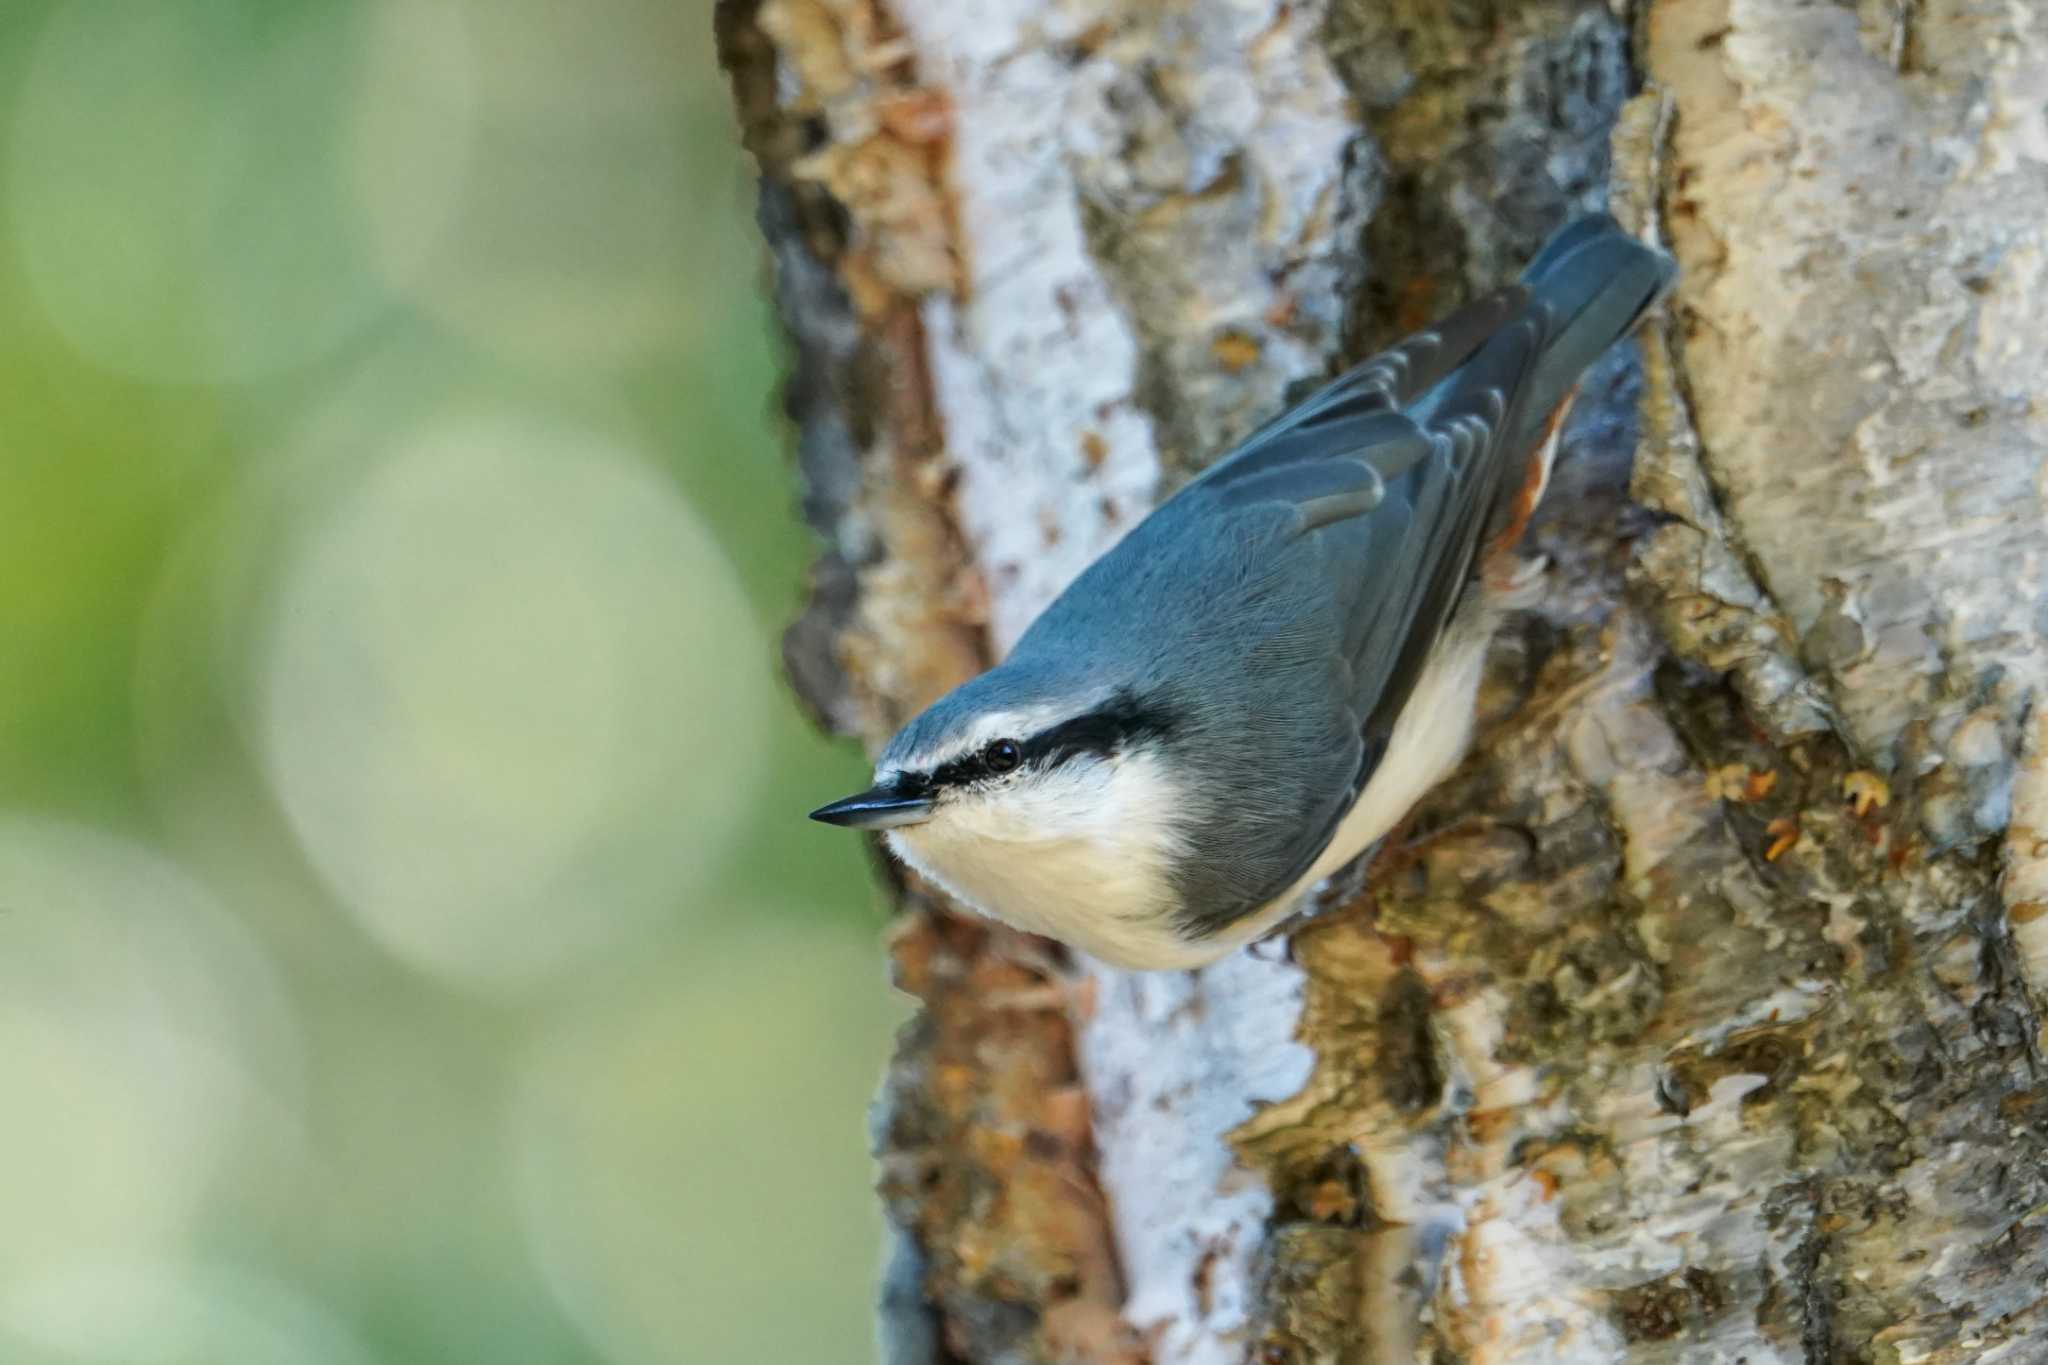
[(1016, 756)]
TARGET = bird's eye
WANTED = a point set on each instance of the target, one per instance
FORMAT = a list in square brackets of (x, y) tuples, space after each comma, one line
[(1002, 756)]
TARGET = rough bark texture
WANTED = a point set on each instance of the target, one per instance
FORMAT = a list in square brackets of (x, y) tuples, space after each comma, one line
[(1698, 1017)]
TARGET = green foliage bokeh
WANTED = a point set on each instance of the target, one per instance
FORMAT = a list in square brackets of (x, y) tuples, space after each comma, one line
[(411, 947)]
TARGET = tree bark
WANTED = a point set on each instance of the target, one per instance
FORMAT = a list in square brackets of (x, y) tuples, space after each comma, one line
[(1698, 1016)]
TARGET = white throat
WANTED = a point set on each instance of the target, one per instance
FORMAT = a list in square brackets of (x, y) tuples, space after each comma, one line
[(1081, 854)]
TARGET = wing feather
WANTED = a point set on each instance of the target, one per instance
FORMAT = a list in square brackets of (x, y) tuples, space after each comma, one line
[(1396, 501), (1392, 379)]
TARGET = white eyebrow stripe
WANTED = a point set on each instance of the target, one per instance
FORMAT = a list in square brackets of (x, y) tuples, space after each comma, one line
[(1018, 724)]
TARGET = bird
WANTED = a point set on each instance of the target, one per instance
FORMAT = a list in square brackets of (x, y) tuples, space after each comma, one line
[(1259, 680)]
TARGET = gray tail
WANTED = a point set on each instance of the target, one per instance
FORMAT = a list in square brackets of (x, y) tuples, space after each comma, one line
[(1596, 282)]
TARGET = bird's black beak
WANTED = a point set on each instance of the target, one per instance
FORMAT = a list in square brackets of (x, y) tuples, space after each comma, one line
[(877, 808)]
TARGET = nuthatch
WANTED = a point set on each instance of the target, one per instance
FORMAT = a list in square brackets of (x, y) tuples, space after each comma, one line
[(1261, 678)]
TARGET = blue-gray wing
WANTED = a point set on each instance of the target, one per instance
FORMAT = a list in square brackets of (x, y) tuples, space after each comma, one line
[(1396, 468), (1385, 383), (1381, 487)]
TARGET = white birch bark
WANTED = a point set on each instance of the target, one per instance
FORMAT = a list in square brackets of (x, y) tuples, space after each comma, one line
[(1698, 1020)]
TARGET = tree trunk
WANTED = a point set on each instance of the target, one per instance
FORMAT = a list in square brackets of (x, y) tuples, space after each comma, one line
[(1697, 1018)]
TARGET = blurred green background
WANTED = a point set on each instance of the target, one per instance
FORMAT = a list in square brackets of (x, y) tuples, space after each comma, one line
[(411, 946)]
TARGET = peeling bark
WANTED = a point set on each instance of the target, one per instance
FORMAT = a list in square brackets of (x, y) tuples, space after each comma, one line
[(1697, 1019)]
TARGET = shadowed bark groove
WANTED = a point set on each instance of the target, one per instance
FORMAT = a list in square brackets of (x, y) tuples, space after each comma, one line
[(1697, 1017)]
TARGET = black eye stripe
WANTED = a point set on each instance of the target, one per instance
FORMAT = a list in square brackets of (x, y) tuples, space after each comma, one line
[(908, 783), (1104, 731)]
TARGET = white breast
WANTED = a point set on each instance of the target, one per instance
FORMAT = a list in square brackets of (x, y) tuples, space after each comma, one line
[(1082, 857), (1430, 738)]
